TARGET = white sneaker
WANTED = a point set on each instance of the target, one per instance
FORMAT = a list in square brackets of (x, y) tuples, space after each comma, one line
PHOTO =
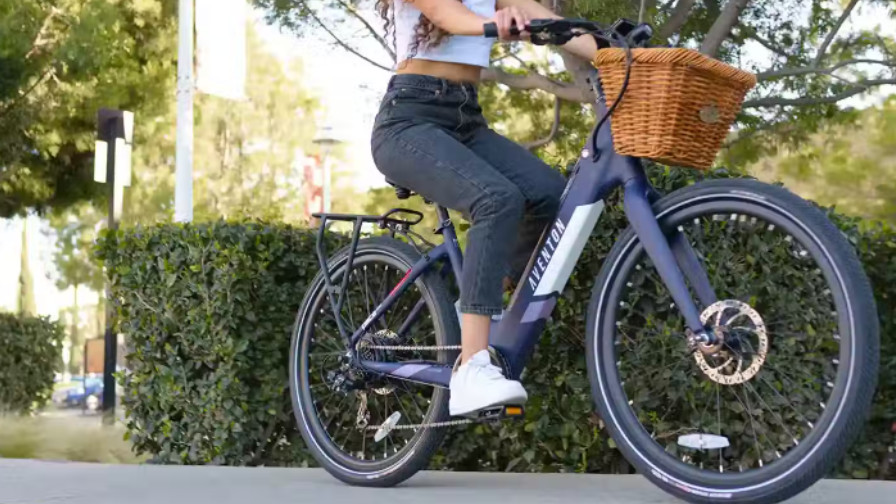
[(477, 384)]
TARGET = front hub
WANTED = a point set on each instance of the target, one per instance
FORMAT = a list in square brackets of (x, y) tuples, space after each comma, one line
[(741, 344)]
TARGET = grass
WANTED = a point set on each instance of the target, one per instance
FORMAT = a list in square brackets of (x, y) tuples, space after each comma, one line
[(77, 439)]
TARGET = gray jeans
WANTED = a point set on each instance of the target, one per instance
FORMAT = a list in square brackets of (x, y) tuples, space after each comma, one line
[(430, 137)]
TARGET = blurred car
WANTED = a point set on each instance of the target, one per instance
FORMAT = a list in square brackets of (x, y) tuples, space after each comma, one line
[(84, 393)]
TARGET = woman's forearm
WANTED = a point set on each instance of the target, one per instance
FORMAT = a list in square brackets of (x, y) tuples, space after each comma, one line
[(583, 47)]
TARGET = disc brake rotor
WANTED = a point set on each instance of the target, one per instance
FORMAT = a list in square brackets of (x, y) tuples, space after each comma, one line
[(743, 344)]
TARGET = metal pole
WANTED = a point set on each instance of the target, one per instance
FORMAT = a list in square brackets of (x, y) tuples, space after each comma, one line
[(183, 180), (326, 167), (110, 356)]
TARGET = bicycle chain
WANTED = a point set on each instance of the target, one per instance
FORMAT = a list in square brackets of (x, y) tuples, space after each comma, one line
[(431, 425), (410, 348)]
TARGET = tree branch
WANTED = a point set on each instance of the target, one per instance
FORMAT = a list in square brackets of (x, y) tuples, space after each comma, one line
[(793, 72), (561, 90), (39, 40), (740, 137), (354, 12), (642, 7), (721, 28), (339, 41), (49, 71), (680, 14), (857, 88), (555, 127), (748, 33), (830, 38)]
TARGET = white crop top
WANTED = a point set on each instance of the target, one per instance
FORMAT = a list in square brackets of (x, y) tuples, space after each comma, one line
[(464, 49)]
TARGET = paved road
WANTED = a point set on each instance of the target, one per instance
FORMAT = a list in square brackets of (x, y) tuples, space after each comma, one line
[(29, 482)]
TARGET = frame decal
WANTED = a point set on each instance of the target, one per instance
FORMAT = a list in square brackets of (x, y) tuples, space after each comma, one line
[(564, 255)]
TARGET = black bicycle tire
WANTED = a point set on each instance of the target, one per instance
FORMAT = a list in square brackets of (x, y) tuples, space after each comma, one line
[(865, 347), (385, 473)]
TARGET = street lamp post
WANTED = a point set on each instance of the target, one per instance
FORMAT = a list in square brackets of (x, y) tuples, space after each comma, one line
[(112, 166), (183, 158), (326, 141)]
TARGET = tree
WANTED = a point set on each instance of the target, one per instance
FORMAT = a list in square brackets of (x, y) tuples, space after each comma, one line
[(811, 62), (27, 306), (246, 153), (850, 167), (74, 233), (60, 61)]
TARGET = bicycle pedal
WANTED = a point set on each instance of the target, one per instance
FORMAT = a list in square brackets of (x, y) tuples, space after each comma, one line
[(508, 411)]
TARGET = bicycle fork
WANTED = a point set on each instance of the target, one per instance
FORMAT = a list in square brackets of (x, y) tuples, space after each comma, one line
[(674, 258)]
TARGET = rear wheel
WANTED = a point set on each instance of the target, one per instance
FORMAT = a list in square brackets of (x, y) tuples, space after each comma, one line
[(338, 408), (772, 408)]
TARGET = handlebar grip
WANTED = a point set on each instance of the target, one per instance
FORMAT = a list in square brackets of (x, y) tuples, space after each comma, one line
[(490, 30)]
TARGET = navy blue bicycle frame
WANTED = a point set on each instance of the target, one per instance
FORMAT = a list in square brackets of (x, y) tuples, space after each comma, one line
[(594, 176)]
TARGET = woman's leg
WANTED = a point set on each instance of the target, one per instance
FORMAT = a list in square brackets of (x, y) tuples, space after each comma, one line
[(436, 165), (540, 185), (440, 168), (426, 159)]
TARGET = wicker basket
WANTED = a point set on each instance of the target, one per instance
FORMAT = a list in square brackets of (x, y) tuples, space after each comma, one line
[(678, 106)]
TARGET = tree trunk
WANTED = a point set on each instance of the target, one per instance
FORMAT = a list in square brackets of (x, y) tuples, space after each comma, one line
[(721, 28), (27, 306), (75, 334)]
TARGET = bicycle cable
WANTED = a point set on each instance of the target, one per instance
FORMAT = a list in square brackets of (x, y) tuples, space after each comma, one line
[(629, 59)]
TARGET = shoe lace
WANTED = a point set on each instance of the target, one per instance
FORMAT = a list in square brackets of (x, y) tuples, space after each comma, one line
[(490, 371)]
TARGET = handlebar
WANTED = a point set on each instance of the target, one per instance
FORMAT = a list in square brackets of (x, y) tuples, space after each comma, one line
[(622, 33), (490, 30)]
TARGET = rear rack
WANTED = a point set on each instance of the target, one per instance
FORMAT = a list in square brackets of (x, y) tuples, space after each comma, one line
[(390, 220)]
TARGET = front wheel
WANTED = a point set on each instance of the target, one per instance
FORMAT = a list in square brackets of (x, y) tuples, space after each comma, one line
[(770, 409)]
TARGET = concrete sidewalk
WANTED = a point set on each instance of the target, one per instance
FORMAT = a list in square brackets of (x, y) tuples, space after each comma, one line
[(33, 482)]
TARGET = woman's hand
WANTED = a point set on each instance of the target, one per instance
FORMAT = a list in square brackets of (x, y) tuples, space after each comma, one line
[(507, 17)]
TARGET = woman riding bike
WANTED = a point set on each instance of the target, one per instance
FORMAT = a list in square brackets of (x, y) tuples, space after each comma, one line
[(430, 137), (731, 339)]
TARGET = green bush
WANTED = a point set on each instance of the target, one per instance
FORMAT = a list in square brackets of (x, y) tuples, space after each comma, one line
[(208, 310), (30, 350)]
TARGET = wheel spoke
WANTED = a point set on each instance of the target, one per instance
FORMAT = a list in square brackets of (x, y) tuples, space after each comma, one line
[(719, 420), (772, 410), (783, 399), (748, 407), (413, 396)]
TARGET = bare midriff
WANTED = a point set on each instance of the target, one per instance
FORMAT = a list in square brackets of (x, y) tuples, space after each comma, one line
[(457, 72)]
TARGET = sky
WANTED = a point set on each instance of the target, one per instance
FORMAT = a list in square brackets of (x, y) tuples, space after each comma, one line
[(349, 91)]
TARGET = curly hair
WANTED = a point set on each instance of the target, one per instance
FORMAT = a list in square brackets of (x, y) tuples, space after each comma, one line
[(426, 34)]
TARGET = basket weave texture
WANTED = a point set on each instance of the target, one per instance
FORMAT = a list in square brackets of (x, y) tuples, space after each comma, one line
[(678, 106)]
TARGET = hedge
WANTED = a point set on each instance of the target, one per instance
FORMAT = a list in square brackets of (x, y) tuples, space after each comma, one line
[(208, 311), (30, 351)]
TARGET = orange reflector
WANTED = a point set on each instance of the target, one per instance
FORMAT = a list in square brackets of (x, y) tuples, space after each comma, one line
[(513, 410)]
